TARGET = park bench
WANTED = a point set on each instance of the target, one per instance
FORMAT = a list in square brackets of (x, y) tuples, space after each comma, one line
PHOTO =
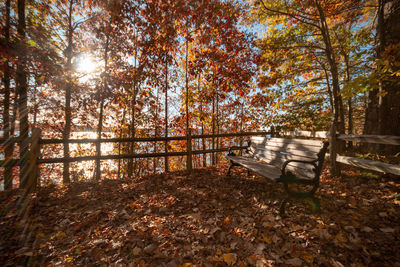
[(289, 161)]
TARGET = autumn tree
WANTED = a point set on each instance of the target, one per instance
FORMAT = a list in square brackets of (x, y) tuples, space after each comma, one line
[(303, 30), (383, 113)]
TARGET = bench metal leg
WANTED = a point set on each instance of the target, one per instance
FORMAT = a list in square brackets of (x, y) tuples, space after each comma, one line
[(315, 204), (283, 204), (248, 172), (229, 170)]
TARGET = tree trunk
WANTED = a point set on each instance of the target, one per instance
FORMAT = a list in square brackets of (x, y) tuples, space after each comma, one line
[(166, 167), (22, 88), (156, 134), (119, 143), (68, 88), (9, 147), (383, 111), (187, 86), (188, 130), (203, 141), (213, 129), (217, 122), (133, 105), (335, 81), (389, 113), (101, 94)]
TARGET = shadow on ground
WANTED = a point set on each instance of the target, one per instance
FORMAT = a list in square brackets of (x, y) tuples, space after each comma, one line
[(205, 219)]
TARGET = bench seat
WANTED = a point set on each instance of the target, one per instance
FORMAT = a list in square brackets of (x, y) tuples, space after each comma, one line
[(261, 168)]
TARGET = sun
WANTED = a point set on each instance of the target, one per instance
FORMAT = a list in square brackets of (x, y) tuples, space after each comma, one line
[(86, 64)]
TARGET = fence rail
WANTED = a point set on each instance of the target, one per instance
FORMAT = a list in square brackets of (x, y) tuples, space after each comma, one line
[(366, 163), (35, 157), (375, 139)]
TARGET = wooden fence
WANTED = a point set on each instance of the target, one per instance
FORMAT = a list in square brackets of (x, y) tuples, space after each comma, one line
[(35, 159), (366, 163), (353, 161)]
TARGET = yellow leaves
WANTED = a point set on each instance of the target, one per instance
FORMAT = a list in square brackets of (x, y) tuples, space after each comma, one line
[(230, 258), (60, 235)]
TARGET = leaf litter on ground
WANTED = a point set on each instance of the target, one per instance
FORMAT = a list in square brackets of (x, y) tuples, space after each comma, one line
[(204, 219)]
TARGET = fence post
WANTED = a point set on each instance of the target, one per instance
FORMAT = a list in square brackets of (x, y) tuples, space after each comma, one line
[(333, 147), (166, 165), (33, 167), (189, 151)]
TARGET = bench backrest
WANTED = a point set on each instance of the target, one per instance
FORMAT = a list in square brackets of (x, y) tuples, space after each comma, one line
[(276, 151)]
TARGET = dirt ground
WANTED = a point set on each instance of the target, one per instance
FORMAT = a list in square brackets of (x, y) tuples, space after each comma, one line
[(204, 219)]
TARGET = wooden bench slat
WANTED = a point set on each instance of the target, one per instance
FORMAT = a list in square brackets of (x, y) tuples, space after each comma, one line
[(272, 155), (264, 140), (287, 150), (305, 171), (266, 170)]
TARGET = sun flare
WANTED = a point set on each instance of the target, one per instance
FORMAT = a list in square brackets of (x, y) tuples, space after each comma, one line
[(86, 64)]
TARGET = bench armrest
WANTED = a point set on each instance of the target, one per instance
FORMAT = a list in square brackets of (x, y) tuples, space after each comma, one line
[(230, 153), (311, 162)]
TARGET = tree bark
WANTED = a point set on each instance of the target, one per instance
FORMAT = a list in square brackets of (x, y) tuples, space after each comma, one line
[(22, 88), (335, 81), (383, 111), (68, 88), (9, 147), (101, 94), (213, 128), (389, 114), (166, 166), (119, 144), (133, 105)]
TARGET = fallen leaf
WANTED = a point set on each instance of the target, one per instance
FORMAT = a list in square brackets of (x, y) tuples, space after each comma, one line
[(367, 229), (387, 230), (136, 251), (230, 258), (294, 262), (267, 240), (308, 258), (341, 238)]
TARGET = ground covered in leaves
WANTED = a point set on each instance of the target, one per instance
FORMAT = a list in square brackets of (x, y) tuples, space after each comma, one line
[(204, 219)]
